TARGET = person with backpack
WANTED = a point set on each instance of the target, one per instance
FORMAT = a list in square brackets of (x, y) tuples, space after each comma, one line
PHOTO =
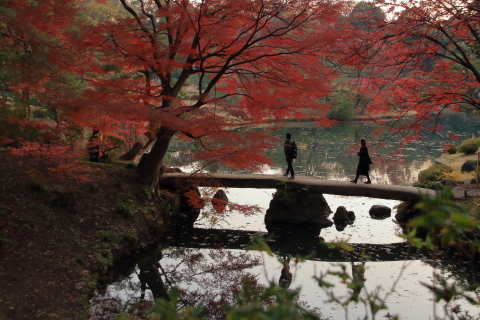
[(290, 149)]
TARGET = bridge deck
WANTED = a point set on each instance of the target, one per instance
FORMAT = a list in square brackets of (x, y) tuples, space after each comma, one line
[(264, 181)]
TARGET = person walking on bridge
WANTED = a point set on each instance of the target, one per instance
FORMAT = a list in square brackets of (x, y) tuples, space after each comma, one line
[(290, 149), (364, 162)]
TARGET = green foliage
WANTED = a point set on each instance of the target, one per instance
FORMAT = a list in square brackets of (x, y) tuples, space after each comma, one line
[(249, 305), (452, 150), (434, 185), (43, 114), (434, 173), (469, 146), (343, 112), (15, 130), (446, 224), (127, 208), (445, 221), (171, 310), (148, 192), (110, 236)]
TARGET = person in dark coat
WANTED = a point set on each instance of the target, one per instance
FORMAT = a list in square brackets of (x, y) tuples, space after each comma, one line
[(364, 162), (290, 149), (94, 149)]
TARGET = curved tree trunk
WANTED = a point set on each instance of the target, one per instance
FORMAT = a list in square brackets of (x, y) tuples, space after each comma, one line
[(151, 163), (142, 141)]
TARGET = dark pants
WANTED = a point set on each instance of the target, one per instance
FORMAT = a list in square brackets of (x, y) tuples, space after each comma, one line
[(94, 156), (290, 167)]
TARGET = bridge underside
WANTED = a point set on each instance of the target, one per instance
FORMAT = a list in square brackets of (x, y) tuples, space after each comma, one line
[(314, 185)]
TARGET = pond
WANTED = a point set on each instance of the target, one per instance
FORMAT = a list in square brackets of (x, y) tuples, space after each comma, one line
[(201, 269)]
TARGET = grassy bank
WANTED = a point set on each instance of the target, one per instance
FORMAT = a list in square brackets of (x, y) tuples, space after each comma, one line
[(455, 161)]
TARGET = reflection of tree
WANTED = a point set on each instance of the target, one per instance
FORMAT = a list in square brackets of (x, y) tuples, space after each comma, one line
[(150, 278), (358, 279), (454, 266), (211, 278)]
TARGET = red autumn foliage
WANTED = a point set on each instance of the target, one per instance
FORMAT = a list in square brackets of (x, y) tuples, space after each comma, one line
[(249, 63)]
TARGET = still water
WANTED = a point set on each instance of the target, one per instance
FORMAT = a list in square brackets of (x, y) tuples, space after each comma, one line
[(328, 154)]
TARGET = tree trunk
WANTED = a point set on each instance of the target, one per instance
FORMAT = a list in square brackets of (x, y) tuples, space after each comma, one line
[(143, 141), (151, 164)]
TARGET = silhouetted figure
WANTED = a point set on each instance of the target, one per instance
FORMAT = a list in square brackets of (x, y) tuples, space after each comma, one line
[(358, 276), (290, 149), (285, 276), (94, 149), (364, 162)]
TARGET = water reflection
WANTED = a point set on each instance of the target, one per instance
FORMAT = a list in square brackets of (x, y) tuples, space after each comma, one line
[(285, 275), (209, 265), (292, 242), (358, 276), (212, 277), (150, 278)]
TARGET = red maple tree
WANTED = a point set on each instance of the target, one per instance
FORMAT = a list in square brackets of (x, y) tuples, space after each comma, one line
[(249, 62), (424, 59)]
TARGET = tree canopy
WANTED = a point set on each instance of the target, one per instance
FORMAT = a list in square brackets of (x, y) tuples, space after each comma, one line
[(114, 64)]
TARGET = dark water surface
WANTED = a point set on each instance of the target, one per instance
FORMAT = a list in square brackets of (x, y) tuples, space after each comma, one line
[(329, 154)]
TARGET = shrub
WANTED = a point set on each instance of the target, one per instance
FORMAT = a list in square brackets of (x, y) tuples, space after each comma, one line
[(43, 114), (343, 112), (469, 146), (435, 173), (434, 185), (127, 209), (452, 150)]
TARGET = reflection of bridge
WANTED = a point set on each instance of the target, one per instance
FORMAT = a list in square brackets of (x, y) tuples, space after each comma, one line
[(291, 245), (262, 181)]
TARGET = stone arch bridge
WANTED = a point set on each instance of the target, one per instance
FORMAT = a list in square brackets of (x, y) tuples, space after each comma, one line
[(314, 185)]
